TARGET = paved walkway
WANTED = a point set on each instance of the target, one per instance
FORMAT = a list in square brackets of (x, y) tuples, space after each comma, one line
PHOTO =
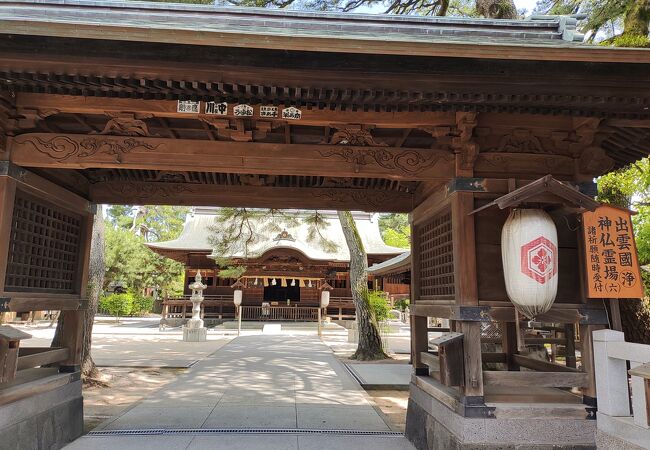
[(270, 392)]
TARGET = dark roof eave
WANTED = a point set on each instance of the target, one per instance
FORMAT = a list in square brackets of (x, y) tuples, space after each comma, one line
[(549, 39)]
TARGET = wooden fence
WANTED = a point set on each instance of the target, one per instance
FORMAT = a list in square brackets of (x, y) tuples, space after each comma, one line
[(280, 313), (222, 307)]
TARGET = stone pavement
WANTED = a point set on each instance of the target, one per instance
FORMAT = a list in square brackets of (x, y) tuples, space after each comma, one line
[(264, 391), (135, 342)]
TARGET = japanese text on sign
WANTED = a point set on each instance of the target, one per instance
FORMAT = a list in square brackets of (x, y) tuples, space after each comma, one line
[(188, 106), (243, 111), (291, 113), (219, 109), (610, 254), (269, 111)]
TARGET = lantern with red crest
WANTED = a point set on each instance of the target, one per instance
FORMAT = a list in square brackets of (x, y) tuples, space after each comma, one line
[(530, 253)]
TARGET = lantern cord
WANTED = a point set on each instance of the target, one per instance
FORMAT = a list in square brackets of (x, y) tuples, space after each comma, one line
[(569, 226)]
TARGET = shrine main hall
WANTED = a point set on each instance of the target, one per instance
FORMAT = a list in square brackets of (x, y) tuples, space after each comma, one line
[(456, 121)]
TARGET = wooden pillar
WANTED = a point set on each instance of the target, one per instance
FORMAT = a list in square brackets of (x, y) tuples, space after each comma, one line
[(74, 320), (72, 338), (419, 324), (7, 195), (473, 388), (587, 355), (509, 343), (466, 292), (570, 348), (419, 343)]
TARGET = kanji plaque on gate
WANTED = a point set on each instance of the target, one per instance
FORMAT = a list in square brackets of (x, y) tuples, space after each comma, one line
[(610, 254)]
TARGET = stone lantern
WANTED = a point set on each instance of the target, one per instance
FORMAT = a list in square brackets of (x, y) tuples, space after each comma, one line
[(194, 331)]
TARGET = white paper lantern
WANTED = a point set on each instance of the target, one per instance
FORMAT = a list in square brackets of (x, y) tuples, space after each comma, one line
[(237, 297), (324, 298), (530, 253)]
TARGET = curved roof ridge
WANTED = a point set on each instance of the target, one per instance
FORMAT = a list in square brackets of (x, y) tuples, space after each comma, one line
[(196, 232)]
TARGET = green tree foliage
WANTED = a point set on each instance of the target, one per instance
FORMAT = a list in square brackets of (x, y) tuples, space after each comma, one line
[(129, 260), (395, 230), (127, 304), (630, 188), (118, 305), (622, 23), (379, 305), (153, 222)]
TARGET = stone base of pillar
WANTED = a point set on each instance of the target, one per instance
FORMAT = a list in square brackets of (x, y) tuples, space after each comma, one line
[(49, 418), (195, 334), (432, 425)]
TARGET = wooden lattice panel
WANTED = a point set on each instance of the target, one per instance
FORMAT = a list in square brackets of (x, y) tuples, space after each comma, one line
[(43, 248), (437, 258)]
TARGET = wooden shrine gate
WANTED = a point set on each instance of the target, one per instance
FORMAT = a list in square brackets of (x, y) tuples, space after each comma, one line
[(188, 105)]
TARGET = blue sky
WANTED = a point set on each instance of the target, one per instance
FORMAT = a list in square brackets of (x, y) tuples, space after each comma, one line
[(527, 4)]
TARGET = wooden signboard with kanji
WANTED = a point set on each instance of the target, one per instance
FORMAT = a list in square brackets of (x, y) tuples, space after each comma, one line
[(610, 254)]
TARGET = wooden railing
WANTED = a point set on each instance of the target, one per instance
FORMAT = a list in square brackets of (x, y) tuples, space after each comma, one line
[(222, 307), (17, 359), (29, 357), (341, 308), (282, 313), (213, 307)]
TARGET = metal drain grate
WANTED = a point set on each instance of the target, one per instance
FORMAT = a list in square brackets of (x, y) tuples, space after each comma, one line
[(172, 431)]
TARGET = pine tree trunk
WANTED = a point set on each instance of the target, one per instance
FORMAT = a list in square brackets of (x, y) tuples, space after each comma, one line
[(635, 316), (369, 347), (637, 18), (497, 9), (95, 286)]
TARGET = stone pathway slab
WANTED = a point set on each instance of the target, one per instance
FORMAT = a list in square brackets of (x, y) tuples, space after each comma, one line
[(278, 382), (382, 376)]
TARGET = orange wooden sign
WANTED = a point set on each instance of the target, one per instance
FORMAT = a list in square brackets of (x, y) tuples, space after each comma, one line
[(610, 254)]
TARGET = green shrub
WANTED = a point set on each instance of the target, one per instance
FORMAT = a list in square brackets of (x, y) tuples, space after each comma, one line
[(630, 41), (379, 305), (117, 305), (141, 305), (402, 304)]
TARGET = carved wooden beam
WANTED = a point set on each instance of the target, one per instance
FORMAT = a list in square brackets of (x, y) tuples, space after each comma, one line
[(372, 200), (48, 150)]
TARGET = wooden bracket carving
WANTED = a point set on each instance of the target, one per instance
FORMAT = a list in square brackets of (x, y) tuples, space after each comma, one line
[(126, 124), (28, 118), (580, 137), (237, 131), (354, 135), (594, 161), (520, 140), (463, 142)]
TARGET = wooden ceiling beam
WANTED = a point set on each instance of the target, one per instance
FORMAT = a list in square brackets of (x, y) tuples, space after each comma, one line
[(169, 109), (140, 193), (71, 151)]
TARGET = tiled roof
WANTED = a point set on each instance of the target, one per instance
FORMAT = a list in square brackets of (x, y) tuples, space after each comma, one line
[(207, 19), (201, 225)]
